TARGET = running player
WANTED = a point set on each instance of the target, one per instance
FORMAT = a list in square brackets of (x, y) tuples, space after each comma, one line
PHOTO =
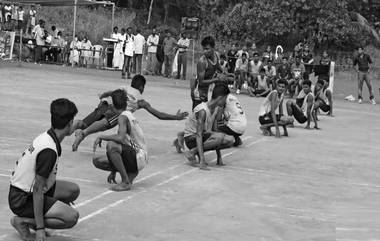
[(35, 196), (323, 98), (198, 129), (231, 119), (269, 107), (303, 106), (126, 150), (104, 117)]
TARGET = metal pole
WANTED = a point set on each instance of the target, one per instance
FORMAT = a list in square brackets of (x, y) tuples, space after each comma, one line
[(192, 63), (75, 20), (150, 11), (113, 16), (20, 45)]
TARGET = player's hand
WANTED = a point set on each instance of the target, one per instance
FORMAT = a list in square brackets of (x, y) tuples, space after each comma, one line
[(112, 178), (98, 142), (143, 104), (181, 115), (40, 235)]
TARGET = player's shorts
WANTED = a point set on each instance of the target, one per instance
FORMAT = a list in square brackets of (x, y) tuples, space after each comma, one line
[(325, 107), (227, 130), (298, 114), (191, 141), (111, 117), (267, 119), (128, 155), (21, 202)]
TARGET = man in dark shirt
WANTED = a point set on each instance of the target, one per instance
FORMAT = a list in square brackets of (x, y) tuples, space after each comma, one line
[(283, 71), (231, 58), (363, 61)]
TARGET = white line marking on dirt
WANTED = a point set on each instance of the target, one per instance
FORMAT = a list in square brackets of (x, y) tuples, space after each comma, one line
[(255, 142), (344, 229)]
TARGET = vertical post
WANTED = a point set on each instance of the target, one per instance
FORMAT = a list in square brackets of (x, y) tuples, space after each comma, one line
[(20, 57), (150, 11), (74, 25), (113, 16), (193, 58)]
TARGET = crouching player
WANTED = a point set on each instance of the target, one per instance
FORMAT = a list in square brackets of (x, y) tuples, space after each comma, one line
[(267, 115), (323, 98), (126, 151), (198, 129), (303, 106), (231, 119), (35, 196)]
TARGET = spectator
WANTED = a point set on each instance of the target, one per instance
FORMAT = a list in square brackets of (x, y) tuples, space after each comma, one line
[(160, 55), (260, 86), (86, 51), (297, 71), (183, 44), (283, 70), (7, 12), (54, 31), (40, 40), (268, 54), (169, 51), (128, 53), (231, 58), (223, 63), (118, 53), (307, 59), (115, 34), (32, 19), (322, 71), (74, 51), (241, 51), (139, 47), (241, 71), (270, 72), (152, 50), (254, 66), (57, 46), (20, 15), (363, 61), (14, 14), (8, 25)]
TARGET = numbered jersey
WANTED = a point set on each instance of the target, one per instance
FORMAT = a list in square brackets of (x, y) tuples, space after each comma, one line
[(234, 115), (25, 172)]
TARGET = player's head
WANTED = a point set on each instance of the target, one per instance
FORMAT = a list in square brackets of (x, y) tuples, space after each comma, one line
[(281, 85), (208, 45), (360, 50), (219, 94), (306, 86), (319, 84), (62, 113), (119, 100), (138, 82)]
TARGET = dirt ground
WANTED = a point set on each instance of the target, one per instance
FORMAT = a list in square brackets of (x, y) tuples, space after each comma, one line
[(314, 185)]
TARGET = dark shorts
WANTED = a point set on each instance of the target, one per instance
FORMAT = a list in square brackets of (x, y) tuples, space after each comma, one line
[(226, 130), (128, 154), (325, 108), (267, 119), (21, 202), (298, 114), (104, 110), (191, 141)]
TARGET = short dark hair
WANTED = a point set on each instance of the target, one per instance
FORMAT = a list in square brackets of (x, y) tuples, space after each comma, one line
[(262, 70), (62, 111), (129, 28), (137, 81), (220, 90), (243, 54), (59, 33), (282, 81), (255, 54), (223, 56), (321, 82), (284, 57), (53, 28), (116, 27), (209, 40), (119, 99), (306, 82)]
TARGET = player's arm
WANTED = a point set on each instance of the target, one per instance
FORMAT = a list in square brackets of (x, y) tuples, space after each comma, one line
[(201, 118), (273, 100), (105, 94), (120, 137), (161, 115), (201, 71), (218, 118), (309, 110)]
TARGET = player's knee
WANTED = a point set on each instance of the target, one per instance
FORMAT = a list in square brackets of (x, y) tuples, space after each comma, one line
[(112, 146), (74, 191), (72, 218), (228, 140)]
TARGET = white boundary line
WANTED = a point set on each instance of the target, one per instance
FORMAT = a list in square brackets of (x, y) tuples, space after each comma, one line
[(343, 229)]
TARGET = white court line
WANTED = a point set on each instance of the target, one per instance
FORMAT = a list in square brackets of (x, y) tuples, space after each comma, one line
[(255, 142), (344, 229)]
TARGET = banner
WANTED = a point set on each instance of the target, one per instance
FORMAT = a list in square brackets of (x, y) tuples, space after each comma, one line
[(7, 40)]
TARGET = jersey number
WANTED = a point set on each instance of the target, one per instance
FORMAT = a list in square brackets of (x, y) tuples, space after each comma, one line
[(240, 108)]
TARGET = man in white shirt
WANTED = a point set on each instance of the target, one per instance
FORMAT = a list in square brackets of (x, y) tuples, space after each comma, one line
[(183, 44), (139, 48), (128, 53), (32, 19), (40, 40), (152, 50)]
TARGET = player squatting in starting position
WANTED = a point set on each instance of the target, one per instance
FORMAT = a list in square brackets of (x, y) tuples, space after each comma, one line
[(35, 196)]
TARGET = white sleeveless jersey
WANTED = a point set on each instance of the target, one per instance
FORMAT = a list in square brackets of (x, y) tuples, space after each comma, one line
[(137, 140), (266, 106), (25, 172), (134, 96), (191, 122), (235, 115)]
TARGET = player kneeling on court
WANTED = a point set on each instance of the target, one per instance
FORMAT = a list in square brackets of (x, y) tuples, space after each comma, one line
[(35, 196), (198, 129), (267, 115), (303, 106), (323, 98), (126, 150), (231, 119)]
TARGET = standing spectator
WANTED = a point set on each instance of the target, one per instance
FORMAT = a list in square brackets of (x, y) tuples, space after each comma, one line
[(254, 66), (115, 34), (307, 59), (20, 15), (7, 12), (241, 70), (58, 44), (74, 52), (8, 25), (86, 51), (183, 44), (40, 40), (270, 72), (118, 53), (223, 63), (243, 50), (152, 50), (363, 61), (54, 31), (32, 19), (169, 51), (14, 14), (160, 55), (139, 48), (128, 53), (231, 58)]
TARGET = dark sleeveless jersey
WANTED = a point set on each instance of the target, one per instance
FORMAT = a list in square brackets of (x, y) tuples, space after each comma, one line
[(209, 74)]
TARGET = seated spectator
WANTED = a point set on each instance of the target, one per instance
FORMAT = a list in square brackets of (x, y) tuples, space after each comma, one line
[(241, 70), (56, 47), (307, 59), (283, 70), (323, 98), (241, 51), (254, 66), (54, 31), (259, 87), (270, 72), (8, 25), (223, 63), (231, 58), (268, 54), (86, 52), (297, 72)]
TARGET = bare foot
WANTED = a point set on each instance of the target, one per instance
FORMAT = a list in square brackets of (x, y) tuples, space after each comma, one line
[(203, 166), (191, 158), (120, 187), (219, 162), (181, 140), (22, 229), (79, 137), (177, 146)]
